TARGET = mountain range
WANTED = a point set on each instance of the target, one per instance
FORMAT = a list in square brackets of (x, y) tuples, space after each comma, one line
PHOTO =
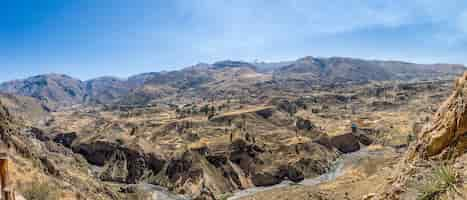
[(224, 77)]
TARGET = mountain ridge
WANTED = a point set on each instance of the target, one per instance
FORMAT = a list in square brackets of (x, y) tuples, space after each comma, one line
[(227, 76)]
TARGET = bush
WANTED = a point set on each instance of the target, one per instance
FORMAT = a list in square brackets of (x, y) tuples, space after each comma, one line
[(225, 196), (444, 180), (39, 191)]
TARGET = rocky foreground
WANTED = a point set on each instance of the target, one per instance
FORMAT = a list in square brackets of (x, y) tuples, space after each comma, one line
[(442, 143)]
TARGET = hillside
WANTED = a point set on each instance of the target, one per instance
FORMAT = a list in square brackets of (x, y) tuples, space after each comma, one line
[(41, 169)]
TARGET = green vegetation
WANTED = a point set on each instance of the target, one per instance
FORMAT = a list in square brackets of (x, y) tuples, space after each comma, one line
[(40, 191), (444, 180), (225, 196)]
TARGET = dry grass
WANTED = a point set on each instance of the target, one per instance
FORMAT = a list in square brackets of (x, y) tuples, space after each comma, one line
[(444, 180), (39, 191)]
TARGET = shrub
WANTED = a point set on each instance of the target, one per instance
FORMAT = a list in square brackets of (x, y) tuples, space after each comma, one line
[(39, 191), (225, 196), (444, 180)]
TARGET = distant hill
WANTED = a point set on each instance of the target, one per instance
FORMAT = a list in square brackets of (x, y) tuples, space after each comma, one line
[(223, 77), (48, 88), (105, 89), (337, 70)]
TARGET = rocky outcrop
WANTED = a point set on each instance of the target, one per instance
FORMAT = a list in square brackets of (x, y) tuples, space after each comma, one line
[(116, 168), (33, 153), (122, 164), (447, 131), (96, 153), (440, 143)]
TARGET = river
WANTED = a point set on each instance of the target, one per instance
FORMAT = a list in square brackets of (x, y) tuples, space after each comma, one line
[(337, 169)]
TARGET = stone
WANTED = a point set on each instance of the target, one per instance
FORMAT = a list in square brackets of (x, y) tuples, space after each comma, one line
[(265, 179), (304, 124), (66, 139), (346, 143)]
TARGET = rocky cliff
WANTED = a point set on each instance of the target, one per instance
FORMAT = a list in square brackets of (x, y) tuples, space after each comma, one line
[(438, 156), (40, 168)]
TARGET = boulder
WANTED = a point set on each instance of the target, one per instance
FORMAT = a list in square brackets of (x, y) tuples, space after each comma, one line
[(346, 143), (324, 140), (66, 139), (304, 124), (291, 173), (265, 178), (265, 113)]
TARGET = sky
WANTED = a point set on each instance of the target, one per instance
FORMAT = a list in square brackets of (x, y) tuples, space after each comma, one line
[(88, 38)]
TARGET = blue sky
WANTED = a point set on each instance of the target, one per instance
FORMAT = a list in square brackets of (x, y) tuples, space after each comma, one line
[(89, 38)]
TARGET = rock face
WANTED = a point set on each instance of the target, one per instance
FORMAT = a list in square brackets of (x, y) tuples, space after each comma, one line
[(122, 164), (116, 169), (449, 126), (442, 142)]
